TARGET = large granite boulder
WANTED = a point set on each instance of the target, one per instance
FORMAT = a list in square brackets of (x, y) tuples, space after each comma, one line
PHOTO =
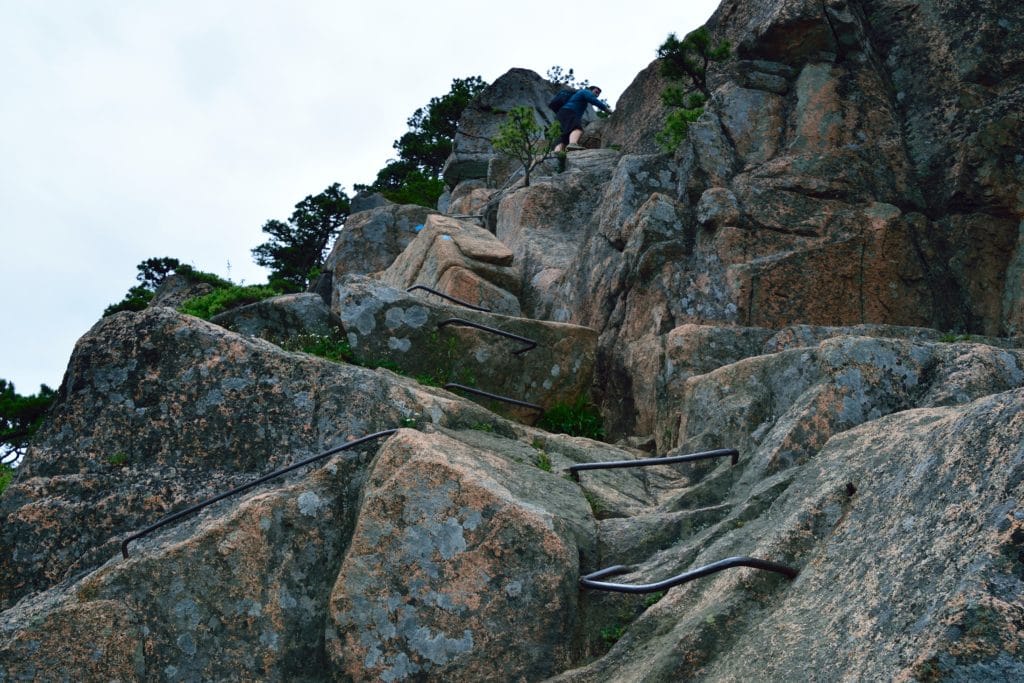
[(906, 532), (281, 319), (464, 562), (422, 336), (159, 409), (462, 260), (372, 239)]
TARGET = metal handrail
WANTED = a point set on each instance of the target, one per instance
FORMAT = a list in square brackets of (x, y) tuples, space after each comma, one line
[(469, 323), (238, 489), (574, 470), (506, 399), (590, 580), (450, 298)]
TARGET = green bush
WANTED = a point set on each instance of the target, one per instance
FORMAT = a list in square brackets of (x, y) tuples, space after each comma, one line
[(326, 346), (579, 418), (543, 461), (223, 299)]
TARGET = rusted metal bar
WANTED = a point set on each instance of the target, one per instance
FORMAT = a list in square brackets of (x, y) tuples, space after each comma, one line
[(496, 397), (574, 470), (450, 298), (244, 487), (591, 580), (530, 344)]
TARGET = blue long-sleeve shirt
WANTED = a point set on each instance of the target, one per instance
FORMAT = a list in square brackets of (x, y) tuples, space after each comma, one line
[(581, 98)]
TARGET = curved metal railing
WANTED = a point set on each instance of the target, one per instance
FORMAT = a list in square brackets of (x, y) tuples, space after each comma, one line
[(530, 344), (449, 298), (496, 397), (574, 470), (244, 487), (591, 580)]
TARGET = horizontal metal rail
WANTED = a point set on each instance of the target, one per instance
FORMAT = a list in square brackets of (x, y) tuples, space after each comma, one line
[(530, 344), (591, 580), (450, 298), (277, 473), (496, 397), (574, 470)]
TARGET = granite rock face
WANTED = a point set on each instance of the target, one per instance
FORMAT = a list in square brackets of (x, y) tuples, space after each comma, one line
[(372, 239), (463, 563), (282, 318), (539, 362), (461, 260), (826, 276), (158, 409)]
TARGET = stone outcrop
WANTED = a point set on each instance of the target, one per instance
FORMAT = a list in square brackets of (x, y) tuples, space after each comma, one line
[(461, 260), (158, 409), (282, 318), (541, 363), (826, 276), (372, 239), (462, 558)]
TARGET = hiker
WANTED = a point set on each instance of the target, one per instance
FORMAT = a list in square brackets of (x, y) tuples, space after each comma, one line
[(570, 116)]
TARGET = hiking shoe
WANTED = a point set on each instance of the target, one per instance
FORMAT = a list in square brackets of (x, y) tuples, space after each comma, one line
[(572, 147)]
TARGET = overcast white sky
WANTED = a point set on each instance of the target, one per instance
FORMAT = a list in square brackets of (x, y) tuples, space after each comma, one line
[(177, 128)]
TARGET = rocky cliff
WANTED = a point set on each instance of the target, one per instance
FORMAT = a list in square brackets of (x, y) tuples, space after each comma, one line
[(825, 279)]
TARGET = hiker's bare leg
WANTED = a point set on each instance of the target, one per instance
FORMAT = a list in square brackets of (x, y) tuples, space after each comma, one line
[(574, 137)]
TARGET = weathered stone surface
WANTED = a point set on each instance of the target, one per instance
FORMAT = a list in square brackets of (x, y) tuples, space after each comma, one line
[(906, 532), (236, 594), (463, 563), (786, 405), (372, 239), (392, 327), (176, 289), (469, 198), (282, 318), (364, 202), (546, 224), (159, 409), (462, 260), (639, 114), (858, 165)]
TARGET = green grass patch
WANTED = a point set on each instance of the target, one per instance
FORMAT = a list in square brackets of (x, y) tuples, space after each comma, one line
[(611, 634), (326, 346), (543, 461), (118, 459), (652, 598), (226, 298), (579, 418)]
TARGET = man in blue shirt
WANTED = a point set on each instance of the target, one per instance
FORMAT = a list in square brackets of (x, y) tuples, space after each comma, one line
[(570, 116)]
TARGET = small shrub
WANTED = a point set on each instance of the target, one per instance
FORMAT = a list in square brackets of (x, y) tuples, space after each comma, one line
[(543, 461), (226, 298), (118, 459), (579, 418), (137, 298), (686, 61), (611, 634), (483, 427), (523, 139), (325, 346), (651, 598), (596, 506), (408, 422)]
